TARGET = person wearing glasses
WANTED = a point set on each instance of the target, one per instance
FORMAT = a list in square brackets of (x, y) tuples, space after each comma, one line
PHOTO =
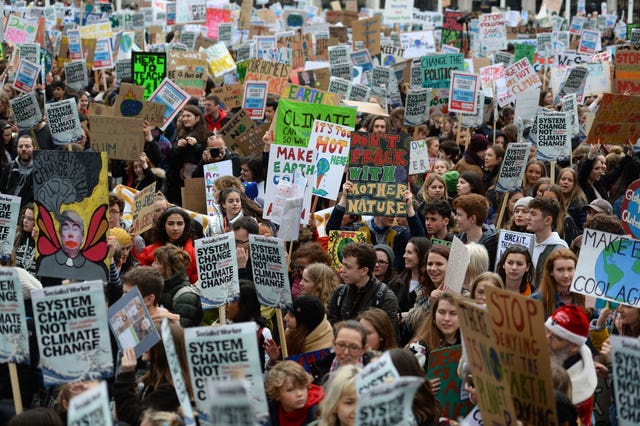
[(349, 348), (384, 270)]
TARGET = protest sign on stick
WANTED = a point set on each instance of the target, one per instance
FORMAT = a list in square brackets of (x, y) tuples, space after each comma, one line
[(149, 70), (131, 323), (26, 110), (177, 375), (143, 209), (512, 171), (387, 403), (443, 363), (72, 332), (617, 119), (9, 213), (64, 122), (217, 270), (90, 407), (332, 151), (625, 356)]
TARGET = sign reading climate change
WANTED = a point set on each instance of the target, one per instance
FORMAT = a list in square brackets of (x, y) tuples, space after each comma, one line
[(217, 270), (608, 268), (270, 275), (14, 336), (379, 167), (220, 354), (73, 335)]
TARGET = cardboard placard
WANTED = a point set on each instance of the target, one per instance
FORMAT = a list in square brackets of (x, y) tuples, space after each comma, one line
[(193, 197), (275, 73), (120, 137), (508, 239), (173, 97), (188, 70), (367, 31), (553, 136), (237, 125), (230, 95), (9, 213), (310, 95), (143, 209), (616, 119), (463, 93), (26, 110)]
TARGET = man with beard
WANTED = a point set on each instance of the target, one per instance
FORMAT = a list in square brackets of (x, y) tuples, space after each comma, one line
[(567, 332), (18, 178)]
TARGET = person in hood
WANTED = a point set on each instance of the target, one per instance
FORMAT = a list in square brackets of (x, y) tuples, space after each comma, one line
[(293, 398), (542, 214)]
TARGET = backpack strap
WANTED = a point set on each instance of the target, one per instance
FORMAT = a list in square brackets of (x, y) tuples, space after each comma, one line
[(380, 294), (341, 292), (184, 290)]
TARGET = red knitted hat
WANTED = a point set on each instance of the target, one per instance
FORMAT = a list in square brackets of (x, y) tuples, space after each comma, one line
[(569, 322)]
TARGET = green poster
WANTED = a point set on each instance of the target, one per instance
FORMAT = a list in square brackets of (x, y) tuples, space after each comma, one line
[(436, 69), (148, 69), (443, 364), (523, 50), (295, 120)]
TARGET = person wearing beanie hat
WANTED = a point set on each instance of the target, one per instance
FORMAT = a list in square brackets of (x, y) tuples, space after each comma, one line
[(308, 329), (451, 182), (473, 159), (567, 333), (520, 215)]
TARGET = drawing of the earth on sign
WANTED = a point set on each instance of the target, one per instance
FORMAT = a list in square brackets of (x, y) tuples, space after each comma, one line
[(630, 209), (617, 271)]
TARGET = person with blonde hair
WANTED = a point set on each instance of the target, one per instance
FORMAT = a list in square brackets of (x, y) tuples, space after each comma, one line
[(338, 408), (293, 398), (481, 282), (160, 418), (319, 280), (478, 263)]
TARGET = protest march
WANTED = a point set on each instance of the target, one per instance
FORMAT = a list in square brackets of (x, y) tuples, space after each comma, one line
[(333, 213)]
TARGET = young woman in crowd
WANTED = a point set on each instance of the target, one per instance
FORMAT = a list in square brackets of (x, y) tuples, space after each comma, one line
[(139, 174), (492, 161), (470, 183), (520, 218), (479, 286), (574, 198), (381, 334), (232, 207), (173, 226), (434, 188), (565, 225), (338, 407), (178, 296), (24, 246), (553, 289), (535, 170), (384, 269), (516, 269), (318, 280), (407, 283), (478, 263)]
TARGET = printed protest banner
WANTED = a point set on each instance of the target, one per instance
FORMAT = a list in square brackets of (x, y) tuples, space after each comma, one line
[(376, 373), (625, 356), (308, 94), (26, 76), (437, 69), (231, 403), (598, 79), (76, 75), (368, 31), (493, 35), (339, 239), (615, 118), (574, 83), (14, 335), (64, 122), (489, 374), (26, 110), (607, 268), (270, 275), (143, 209), (418, 157), (9, 212), (553, 136), (148, 70), (20, 30), (123, 69), (387, 403), (508, 238), (219, 59), (570, 107), (120, 137), (220, 354), (475, 119), (131, 323), (187, 70), (275, 73), (397, 12), (630, 209), (255, 98), (379, 168), (29, 52), (332, 153), (443, 364), (75, 45), (520, 76), (521, 344), (217, 270), (71, 192), (589, 42), (177, 375), (627, 69), (72, 332), (173, 97), (213, 171), (103, 56), (90, 407), (190, 11), (417, 107), (462, 95), (513, 166)]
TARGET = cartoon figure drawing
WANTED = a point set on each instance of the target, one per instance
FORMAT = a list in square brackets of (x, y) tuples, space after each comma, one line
[(67, 255)]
